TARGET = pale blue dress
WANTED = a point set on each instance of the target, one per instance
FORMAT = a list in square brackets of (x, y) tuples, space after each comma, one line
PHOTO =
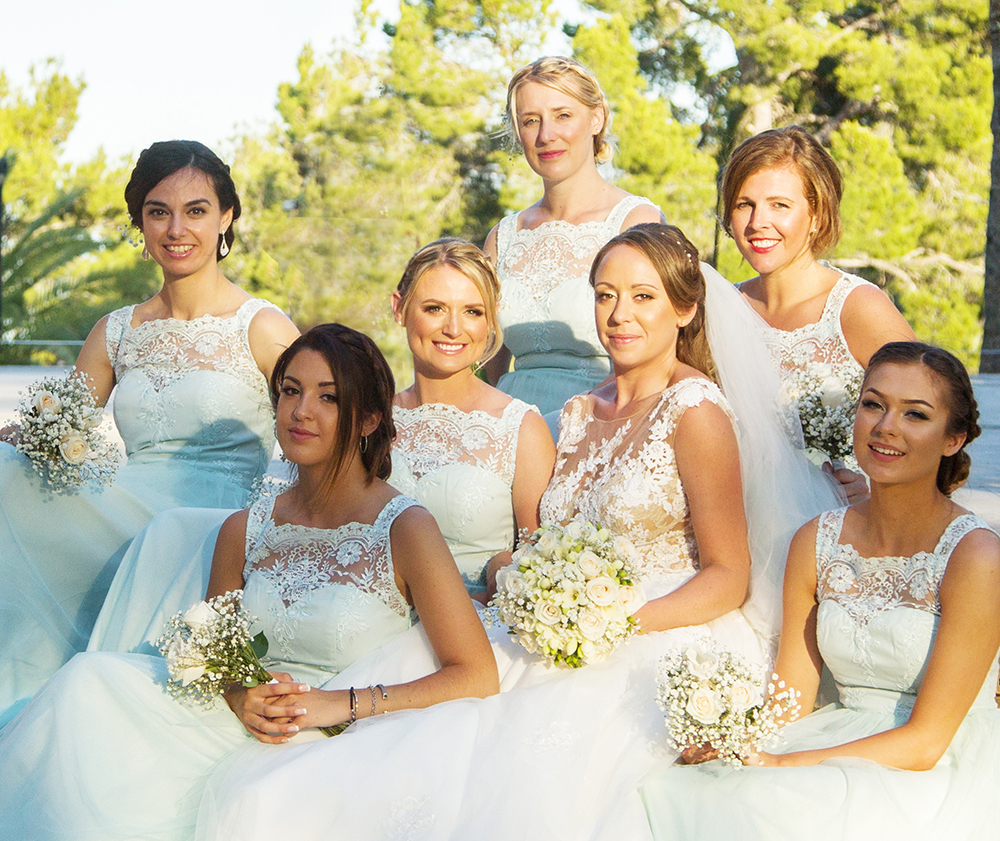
[(876, 625), (547, 306), (104, 752), (194, 412)]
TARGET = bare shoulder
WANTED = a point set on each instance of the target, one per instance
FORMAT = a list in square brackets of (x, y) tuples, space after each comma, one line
[(643, 213), (869, 320), (490, 246), (978, 554), (235, 526), (269, 322)]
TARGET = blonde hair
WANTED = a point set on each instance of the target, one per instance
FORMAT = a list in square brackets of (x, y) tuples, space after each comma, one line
[(794, 147), (567, 76), (467, 259), (676, 262)]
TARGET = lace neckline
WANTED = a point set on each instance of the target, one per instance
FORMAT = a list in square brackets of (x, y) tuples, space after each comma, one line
[(830, 307), (645, 406), (201, 319), (453, 411), (563, 224), (958, 523)]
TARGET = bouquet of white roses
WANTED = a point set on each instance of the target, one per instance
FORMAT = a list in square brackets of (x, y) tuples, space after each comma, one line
[(208, 647), (569, 594), (714, 698), (58, 431), (826, 405)]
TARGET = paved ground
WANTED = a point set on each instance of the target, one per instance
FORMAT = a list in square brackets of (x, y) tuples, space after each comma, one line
[(985, 451)]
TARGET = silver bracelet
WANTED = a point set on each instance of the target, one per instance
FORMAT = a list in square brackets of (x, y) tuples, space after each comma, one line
[(385, 695), (354, 705)]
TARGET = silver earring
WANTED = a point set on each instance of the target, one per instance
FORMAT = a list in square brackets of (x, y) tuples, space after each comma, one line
[(364, 443), (145, 253), (223, 246)]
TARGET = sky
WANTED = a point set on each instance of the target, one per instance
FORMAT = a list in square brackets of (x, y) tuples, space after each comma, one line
[(154, 71)]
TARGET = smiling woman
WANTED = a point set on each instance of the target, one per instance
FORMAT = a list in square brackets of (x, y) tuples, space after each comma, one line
[(190, 366)]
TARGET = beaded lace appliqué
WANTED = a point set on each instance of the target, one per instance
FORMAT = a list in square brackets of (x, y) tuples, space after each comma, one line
[(624, 475)]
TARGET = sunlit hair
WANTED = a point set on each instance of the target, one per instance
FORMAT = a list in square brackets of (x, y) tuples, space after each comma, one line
[(821, 182), (963, 413), (364, 386), (469, 261), (166, 157), (675, 260), (567, 76)]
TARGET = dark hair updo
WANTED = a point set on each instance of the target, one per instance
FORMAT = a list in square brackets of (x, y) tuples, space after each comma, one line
[(365, 388), (963, 413), (166, 157)]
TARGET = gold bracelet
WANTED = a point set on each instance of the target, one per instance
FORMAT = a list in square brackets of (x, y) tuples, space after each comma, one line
[(354, 706)]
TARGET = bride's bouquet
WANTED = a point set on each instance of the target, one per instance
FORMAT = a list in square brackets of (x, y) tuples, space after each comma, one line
[(825, 404), (569, 593), (58, 431), (209, 646), (714, 698)]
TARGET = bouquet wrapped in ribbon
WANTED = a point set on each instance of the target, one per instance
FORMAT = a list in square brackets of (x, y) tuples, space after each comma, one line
[(714, 699), (58, 431), (569, 593)]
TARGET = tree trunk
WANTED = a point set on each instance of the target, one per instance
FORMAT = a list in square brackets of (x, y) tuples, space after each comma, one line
[(989, 362)]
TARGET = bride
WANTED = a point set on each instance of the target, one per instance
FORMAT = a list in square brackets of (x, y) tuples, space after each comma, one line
[(654, 456), (333, 569), (900, 597)]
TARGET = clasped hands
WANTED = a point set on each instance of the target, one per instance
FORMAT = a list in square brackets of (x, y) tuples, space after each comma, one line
[(697, 754), (274, 712)]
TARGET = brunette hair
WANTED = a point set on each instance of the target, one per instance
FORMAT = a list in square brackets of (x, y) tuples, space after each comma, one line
[(963, 413), (166, 157), (467, 259), (567, 76), (821, 182), (676, 262), (365, 388)]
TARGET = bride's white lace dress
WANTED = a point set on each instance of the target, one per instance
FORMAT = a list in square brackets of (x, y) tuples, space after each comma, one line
[(102, 751), (876, 624), (559, 753)]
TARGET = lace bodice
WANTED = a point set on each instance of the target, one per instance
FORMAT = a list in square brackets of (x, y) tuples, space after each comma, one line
[(547, 306), (878, 617), (623, 474), (819, 349), (460, 466), (190, 393), (324, 596)]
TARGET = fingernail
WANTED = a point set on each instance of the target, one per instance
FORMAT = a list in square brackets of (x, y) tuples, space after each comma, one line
[(293, 729), (303, 711), (303, 688)]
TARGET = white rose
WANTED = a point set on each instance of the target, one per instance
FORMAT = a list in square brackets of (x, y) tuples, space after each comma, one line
[(547, 612), (589, 563), (547, 543), (588, 651), (574, 528), (624, 547), (833, 393), (527, 641), (630, 598), (703, 663), (821, 369), (703, 705), (743, 695), (191, 673), (602, 591), (46, 401), (592, 625), (73, 448), (199, 615)]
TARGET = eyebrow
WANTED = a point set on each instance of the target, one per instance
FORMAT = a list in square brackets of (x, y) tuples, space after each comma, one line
[(910, 402), (299, 382), (156, 203)]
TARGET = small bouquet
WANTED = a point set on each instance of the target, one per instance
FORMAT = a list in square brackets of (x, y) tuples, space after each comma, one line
[(715, 698), (826, 404), (58, 431), (568, 594), (208, 647)]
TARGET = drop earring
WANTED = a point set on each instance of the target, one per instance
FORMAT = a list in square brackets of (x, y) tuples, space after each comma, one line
[(223, 246), (145, 253)]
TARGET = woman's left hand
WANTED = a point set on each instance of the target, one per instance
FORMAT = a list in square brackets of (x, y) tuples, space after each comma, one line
[(269, 711)]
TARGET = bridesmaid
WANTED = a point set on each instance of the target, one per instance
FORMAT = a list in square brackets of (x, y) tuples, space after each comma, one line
[(189, 368), (781, 196), (900, 596), (476, 458), (334, 567), (560, 118)]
